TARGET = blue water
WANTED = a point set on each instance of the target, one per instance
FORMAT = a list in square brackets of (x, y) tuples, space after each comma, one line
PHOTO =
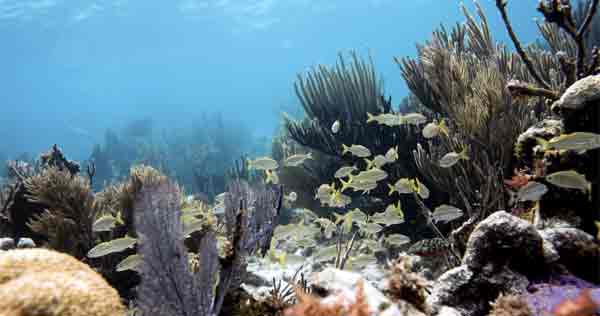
[(70, 69)]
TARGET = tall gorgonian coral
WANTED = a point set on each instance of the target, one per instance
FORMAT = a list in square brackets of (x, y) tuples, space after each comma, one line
[(461, 76), (346, 93)]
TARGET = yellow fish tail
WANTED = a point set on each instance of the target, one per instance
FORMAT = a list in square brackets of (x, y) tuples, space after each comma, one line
[(392, 189)]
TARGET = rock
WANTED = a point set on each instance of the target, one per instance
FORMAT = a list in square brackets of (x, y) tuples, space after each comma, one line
[(566, 240), (580, 93), (448, 311), (503, 239), (546, 129), (470, 292), (7, 243), (46, 282), (577, 251), (25, 243), (526, 145)]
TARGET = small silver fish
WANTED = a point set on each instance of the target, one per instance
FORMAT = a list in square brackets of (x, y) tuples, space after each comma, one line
[(263, 163), (345, 171), (129, 263), (433, 129), (104, 223), (337, 199), (377, 162), (115, 245), (272, 177), (326, 254), (345, 220), (220, 198), (356, 150), (292, 197), (402, 186), (412, 118), (358, 215), (451, 158), (388, 218), (296, 160), (335, 127), (397, 240), (362, 261), (395, 209), (388, 119), (578, 141), (392, 154), (365, 186), (421, 189), (570, 179), (532, 191), (372, 175), (324, 190), (446, 213), (370, 228)]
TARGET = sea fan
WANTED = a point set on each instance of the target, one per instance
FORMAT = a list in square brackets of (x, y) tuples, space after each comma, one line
[(168, 287)]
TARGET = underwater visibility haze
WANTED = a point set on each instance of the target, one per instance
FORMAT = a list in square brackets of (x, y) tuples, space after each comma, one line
[(299, 158)]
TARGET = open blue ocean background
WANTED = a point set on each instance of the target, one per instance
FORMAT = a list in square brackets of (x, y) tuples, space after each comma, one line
[(71, 69)]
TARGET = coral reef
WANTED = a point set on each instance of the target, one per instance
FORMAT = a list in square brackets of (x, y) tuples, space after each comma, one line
[(506, 254), (46, 282)]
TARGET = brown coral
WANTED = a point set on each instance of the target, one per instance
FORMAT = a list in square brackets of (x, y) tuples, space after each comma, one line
[(407, 285), (68, 204), (510, 305), (46, 282)]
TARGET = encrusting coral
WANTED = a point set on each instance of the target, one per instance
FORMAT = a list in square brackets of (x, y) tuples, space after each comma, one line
[(46, 282)]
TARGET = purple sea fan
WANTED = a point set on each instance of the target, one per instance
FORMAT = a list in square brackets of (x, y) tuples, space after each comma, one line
[(168, 287)]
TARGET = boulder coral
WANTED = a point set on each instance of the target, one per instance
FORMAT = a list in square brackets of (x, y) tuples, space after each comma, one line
[(45, 282)]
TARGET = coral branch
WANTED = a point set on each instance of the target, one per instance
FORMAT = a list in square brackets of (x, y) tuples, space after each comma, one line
[(519, 88), (501, 4)]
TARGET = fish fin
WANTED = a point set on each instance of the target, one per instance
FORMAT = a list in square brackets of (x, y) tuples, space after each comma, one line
[(269, 176), (345, 185), (464, 154), (369, 163), (444, 128), (392, 189), (370, 117), (345, 149)]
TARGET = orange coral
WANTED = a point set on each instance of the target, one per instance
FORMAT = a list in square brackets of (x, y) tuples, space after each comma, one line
[(309, 305), (582, 305), (360, 306)]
